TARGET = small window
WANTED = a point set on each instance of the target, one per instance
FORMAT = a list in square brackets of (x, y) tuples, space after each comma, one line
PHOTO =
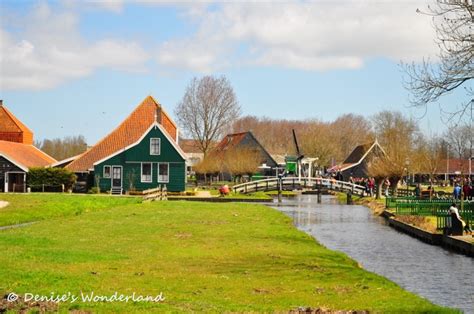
[(163, 173), (154, 146), (107, 172), (146, 172)]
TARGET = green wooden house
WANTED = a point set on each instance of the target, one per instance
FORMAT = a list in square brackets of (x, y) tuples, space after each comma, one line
[(141, 153)]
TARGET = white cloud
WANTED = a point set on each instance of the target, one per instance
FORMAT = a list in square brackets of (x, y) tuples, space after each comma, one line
[(319, 35), (115, 6), (50, 51)]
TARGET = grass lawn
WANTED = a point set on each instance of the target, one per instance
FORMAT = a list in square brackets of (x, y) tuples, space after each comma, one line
[(427, 223), (255, 195), (36, 206), (202, 256)]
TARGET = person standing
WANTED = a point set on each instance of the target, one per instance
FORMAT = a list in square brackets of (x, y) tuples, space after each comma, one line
[(387, 187), (417, 191), (466, 190), (471, 194), (454, 213), (457, 192), (371, 186)]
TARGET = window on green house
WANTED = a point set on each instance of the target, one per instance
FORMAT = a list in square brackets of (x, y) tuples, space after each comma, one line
[(163, 172), (146, 172), (154, 146), (107, 172)]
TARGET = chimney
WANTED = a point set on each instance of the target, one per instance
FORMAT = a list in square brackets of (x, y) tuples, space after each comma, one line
[(1, 102)]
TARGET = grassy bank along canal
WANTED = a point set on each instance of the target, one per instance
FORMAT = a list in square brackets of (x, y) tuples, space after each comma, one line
[(202, 256), (441, 276), (420, 227)]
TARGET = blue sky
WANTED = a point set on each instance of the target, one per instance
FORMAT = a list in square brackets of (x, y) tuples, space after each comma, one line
[(70, 67)]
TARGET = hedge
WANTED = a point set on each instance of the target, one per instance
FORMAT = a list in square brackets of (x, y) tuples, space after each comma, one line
[(51, 177)]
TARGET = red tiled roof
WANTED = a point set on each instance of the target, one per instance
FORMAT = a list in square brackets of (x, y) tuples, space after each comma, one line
[(341, 167), (25, 155), (231, 140), (12, 129), (190, 146), (454, 166), (127, 133)]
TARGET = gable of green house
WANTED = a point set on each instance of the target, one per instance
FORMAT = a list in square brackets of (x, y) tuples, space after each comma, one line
[(136, 161)]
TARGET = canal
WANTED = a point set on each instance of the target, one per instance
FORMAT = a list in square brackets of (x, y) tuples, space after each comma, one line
[(443, 277)]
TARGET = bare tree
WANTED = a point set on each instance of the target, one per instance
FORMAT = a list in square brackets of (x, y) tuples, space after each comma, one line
[(453, 21), (460, 140), (209, 106), (428, 156), (242, 161), (211, 164), (397, 135), (63, 148), (325, 140)]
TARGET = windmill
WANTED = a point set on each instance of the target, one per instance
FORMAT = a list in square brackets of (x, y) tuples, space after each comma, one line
[(293, 163)]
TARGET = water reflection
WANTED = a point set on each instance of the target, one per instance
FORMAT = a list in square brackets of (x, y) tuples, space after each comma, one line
[(441, 276)]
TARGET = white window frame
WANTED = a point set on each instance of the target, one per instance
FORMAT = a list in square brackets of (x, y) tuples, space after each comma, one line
[(110, 172), (141, 172), (159, 146), (168, 177)]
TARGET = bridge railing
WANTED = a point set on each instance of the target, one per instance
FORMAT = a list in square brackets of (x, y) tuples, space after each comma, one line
[(298, 183)]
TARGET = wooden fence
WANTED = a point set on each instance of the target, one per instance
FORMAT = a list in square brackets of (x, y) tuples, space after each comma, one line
[(159, 193)]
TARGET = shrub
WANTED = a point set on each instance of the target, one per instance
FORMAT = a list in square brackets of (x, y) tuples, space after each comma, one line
[(51, 177), (94, 190)]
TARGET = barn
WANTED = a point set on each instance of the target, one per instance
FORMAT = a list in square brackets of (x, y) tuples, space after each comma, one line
[(356, 165)]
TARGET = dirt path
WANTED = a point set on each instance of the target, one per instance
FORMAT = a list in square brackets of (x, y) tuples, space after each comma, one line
[(203, 194)]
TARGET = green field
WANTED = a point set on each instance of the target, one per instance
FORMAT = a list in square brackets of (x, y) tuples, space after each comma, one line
[(33, 207), (201, 256)]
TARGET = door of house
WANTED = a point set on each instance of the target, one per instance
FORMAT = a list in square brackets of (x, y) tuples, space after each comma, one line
[(116, 176), (14, 182)]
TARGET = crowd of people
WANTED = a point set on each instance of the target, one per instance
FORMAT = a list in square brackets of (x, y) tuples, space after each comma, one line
[(463, 188), (371, 186)]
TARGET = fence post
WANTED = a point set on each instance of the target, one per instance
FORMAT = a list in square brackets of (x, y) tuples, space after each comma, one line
[(42, 187), (14, 190), (165, 193), (319, 192), (279, 183)]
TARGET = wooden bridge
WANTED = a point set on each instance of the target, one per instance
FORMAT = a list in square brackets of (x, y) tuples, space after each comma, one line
[(295, 183)]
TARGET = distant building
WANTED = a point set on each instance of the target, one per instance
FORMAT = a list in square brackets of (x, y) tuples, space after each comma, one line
[(448, 169), (17, 153), (141, 153), (454, 166), (246, 140), (193, 152), (357, 163), (12, 129)]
